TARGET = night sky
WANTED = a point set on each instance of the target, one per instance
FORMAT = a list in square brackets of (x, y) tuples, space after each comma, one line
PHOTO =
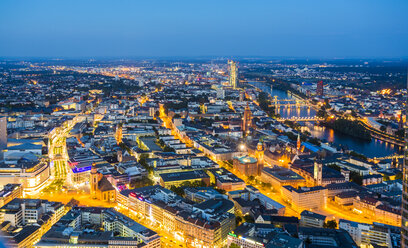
[(121, 28)]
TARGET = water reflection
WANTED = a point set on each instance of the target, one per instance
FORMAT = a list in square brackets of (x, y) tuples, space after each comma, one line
[(373, 148)]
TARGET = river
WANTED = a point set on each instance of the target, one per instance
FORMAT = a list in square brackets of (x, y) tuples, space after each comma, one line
[(373, 148)]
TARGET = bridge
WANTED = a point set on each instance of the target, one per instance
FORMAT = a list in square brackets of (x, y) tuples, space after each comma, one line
[(296, 118), (395, 156), (376, 134)]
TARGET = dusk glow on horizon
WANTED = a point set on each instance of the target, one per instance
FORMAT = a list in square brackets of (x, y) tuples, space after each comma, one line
[(317, 28)]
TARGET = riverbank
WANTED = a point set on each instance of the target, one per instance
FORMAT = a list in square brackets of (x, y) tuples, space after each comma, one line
[(370, 148)]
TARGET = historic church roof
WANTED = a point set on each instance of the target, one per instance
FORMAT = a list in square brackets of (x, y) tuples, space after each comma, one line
[(105, 185)]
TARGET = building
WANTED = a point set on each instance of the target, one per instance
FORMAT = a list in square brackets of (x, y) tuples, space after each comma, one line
[(259, 154), (250, 235), (233, 74), (318, 173), (404, 209), (100, 187), (247, 165), (178, 178), (226, 180), (3, 133), (206, 224), (26, 220), (310, 219), (305, 198), (319, 88), (98, 227), (10, 192), (32, 175), (323, 237), (279, 176), (247, 120), (366, 235)]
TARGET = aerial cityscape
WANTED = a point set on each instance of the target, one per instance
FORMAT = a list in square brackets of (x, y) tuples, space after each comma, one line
[(104, 143)]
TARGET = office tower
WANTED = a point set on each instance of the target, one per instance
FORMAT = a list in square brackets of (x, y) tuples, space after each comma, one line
[(3, 132), (233, 74), (404, 209), (319, 88)]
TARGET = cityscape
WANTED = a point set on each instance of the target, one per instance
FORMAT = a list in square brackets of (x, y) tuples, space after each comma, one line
[(233, 150)]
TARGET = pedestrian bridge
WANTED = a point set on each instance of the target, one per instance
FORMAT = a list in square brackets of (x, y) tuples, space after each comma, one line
[(296, 118)]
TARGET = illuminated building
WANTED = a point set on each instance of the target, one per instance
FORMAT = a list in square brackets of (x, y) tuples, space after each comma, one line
[(318, 173), (380, 210), (10, 192), (178, 178), (3, 133), (101, 188), (204, 225), (319, 88), (311, 219), (404, 212), (247, 120), (233, 73), (259, 154), (305, 198), (98, 227), (250, 235), (32, 175), (367, 235), (279, 176), (26, 220), (246, 165)]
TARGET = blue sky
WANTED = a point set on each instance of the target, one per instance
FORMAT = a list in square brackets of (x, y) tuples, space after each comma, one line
[(300, 28)]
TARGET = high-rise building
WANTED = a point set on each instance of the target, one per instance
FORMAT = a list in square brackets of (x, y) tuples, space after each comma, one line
[(319, 88), (3, 132), (404, 211), (233, 73)]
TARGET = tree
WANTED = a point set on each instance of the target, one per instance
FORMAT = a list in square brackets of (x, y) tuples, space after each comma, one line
[(355, 177), (332, 224), (178, 190), (398, 176), (383, 128), (248, 218), (238, 220), (233, 245)]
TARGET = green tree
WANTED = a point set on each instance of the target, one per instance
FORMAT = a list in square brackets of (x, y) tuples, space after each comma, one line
[(332, 224), (233, 245), (248, 218)]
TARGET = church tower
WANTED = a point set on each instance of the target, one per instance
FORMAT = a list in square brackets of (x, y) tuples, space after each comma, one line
[(299, 143), (93, 181), (318, 173), (259, 153), (247, 120)]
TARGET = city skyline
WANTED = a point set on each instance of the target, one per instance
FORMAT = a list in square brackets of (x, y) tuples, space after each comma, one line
[(204, 124)]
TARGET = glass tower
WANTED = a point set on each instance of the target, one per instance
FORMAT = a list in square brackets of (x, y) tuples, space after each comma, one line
[(404, 209)]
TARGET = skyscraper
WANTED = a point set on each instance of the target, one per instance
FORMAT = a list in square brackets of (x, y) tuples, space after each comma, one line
[(404, 209), (3, 132), (319, 88), (233, 74)]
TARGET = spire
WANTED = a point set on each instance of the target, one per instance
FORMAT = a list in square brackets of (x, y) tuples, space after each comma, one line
[(298, 142)]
